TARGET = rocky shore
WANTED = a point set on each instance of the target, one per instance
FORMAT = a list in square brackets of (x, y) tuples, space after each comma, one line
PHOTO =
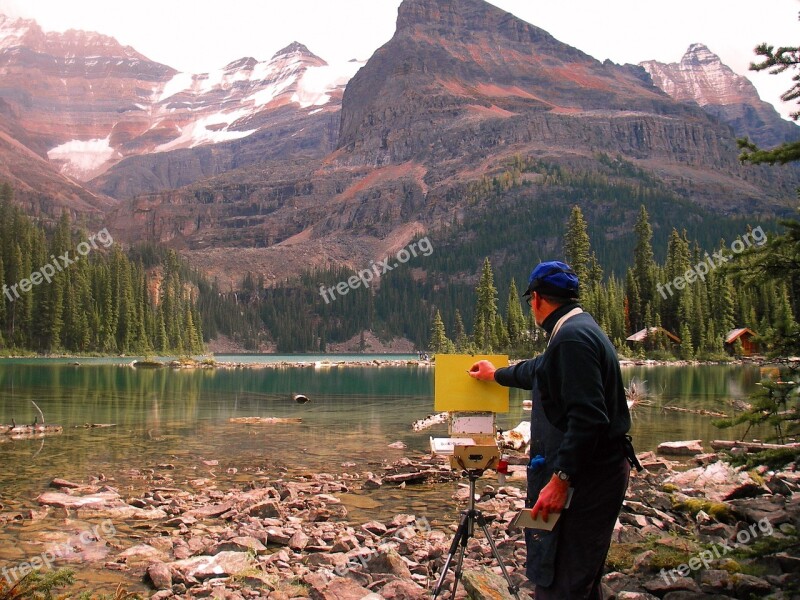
[(702, 530)]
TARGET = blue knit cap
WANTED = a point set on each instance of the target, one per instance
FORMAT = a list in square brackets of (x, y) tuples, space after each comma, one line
[(553, 278)]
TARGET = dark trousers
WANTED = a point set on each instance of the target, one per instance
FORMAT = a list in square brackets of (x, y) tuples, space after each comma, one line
[(584, 534)]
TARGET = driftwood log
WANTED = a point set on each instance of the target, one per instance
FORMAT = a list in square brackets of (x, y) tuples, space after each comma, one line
[(750, 446), (30, 430), (264, 420), (696, 411)]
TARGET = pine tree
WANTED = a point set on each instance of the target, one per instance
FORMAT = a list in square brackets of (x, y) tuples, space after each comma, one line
[(577, 247), (643, 261), (515, 319), (486, 310), (460, 334), (438, 339)]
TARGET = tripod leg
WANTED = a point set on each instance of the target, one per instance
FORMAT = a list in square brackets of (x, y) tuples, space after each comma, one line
[(511, 587), (462, 534)]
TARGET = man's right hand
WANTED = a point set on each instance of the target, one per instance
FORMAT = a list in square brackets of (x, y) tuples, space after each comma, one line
[(482, 370)]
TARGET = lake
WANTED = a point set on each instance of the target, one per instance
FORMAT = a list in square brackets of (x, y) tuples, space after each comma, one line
[(179, 419)]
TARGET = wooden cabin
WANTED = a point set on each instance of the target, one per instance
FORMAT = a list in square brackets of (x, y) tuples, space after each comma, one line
[(649, 338), (745, 336)]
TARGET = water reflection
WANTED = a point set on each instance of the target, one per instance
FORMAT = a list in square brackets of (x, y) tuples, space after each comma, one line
[(182, 417)]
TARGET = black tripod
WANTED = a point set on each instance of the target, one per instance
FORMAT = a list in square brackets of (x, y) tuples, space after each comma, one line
[(466, 530)]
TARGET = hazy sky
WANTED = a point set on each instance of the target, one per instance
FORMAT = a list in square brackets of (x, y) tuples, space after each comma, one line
[(202, 35)]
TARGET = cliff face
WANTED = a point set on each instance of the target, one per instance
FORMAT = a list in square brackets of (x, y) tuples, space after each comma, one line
[(454, 66), (702, 78)]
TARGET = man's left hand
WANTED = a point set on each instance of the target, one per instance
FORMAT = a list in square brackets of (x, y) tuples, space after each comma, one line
[(551, 499)]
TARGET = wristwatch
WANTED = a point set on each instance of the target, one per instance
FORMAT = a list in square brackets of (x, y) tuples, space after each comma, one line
[(562, 475)]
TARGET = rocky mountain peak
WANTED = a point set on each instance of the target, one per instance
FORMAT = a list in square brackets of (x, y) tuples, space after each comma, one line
[(702, 78), (17, 32), (296, 48), (451, 18), (699, 54)]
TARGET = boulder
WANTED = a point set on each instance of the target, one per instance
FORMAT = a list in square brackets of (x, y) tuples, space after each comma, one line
[(718, 482), (223, 564), (682, 448), (388, 561), (62, 500), (483, 584), (160, 576)]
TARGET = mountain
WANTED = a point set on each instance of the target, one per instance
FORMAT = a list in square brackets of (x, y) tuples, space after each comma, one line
[(133, 125), (702, 78), (460, 92)]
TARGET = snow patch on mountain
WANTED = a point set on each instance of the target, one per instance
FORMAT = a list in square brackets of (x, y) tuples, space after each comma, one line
[(83, 158), (317, 82), (210, 129)]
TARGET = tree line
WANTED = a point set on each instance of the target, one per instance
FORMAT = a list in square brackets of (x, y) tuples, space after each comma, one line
[(103, 301), (699, 312)]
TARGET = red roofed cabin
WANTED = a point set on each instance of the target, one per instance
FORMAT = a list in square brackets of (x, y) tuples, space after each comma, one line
[(745, 337)]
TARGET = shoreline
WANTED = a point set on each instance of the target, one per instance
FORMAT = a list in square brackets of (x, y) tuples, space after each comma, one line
[(292, 535), (331, 361)]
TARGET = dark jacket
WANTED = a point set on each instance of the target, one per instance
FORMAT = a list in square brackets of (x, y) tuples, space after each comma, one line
[(580, 384)]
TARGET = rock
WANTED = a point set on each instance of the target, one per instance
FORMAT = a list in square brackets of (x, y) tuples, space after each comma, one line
[(223, 564), (770, 511), (277, 535), (100, 499), (683, 448), (746, 586), (63, 483), (718, 482), (403, 590), (372, 483), (120, 513), (240, 544), (160, 576), (714, 581), (388, 561), (375, 528), (298, 541), (683, 595), (340, 588), (212, 510), (265, 510), (635, 596), (141, 553), (669, 582), (483, 584)]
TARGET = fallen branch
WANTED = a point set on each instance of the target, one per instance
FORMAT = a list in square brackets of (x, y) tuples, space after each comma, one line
[(41, 414)]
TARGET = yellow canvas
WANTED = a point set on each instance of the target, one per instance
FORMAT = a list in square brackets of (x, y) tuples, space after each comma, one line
[(455, 390)]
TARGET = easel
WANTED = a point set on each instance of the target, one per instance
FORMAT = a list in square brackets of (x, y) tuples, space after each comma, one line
[(474, 460), (472, 447)]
